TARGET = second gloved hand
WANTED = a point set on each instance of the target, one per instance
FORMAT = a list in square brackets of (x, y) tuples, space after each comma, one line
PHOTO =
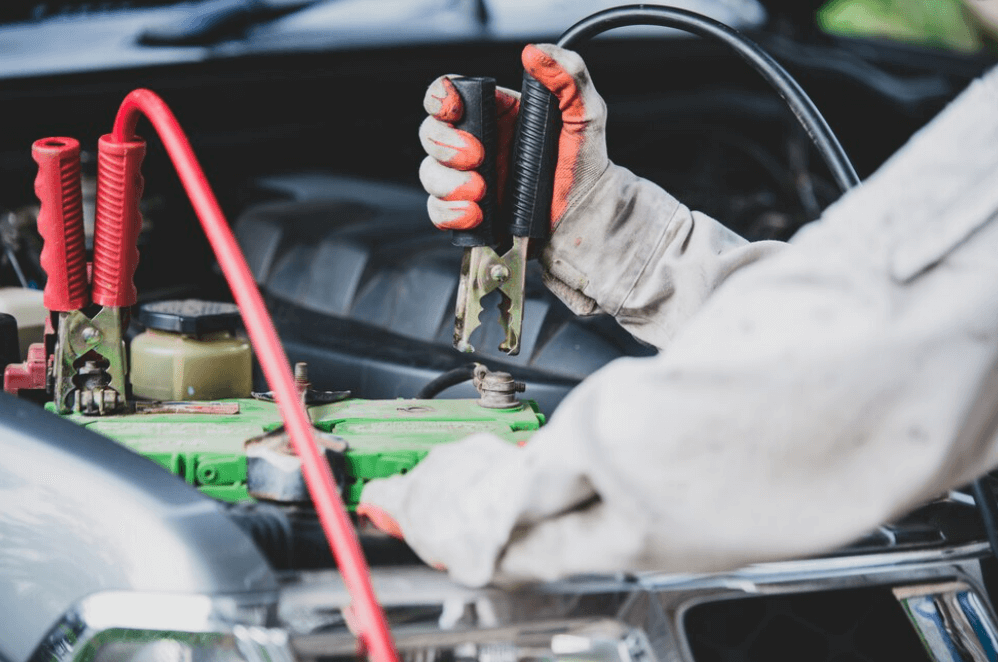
[(448, 172)]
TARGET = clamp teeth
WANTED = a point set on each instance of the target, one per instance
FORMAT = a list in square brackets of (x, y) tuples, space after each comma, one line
[(508, 321), (482, 272), (469, 305)]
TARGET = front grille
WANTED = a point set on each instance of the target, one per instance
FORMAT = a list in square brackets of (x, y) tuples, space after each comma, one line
[(856, 625)]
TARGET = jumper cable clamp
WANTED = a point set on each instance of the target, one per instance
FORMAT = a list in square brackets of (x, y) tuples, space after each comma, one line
[(89, 314), (495, 256)]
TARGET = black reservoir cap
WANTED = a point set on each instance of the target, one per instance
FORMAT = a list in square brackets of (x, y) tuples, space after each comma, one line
[(192, 317)]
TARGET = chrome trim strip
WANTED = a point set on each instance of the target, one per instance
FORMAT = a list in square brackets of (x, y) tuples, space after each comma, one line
[(654, 602), (749, 578), (412, 585)]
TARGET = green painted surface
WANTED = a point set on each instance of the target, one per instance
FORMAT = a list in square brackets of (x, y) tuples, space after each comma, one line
[(385, 437), (947, 24)]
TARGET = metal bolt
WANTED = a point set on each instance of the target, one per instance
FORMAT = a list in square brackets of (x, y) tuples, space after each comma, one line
[(499, 272), (302, 385), (97, 401), (90, 334), (498, 390)]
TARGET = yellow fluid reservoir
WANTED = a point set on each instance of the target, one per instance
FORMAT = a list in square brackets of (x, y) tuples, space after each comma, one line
[(190, 351)]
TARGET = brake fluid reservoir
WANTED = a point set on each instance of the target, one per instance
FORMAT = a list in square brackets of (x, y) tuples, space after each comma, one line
[(190, 351)]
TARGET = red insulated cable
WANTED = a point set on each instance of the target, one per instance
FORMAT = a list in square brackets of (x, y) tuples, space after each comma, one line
[(369, 618)]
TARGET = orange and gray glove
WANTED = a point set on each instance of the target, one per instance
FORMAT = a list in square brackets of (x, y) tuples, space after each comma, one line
[(619, 244)]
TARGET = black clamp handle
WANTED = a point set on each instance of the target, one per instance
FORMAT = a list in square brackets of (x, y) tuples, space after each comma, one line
[(478, 95), (535, 155)]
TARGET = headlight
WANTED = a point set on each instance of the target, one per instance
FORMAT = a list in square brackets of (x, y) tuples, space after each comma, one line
[(142, 627), (242, 644), (121, 645)]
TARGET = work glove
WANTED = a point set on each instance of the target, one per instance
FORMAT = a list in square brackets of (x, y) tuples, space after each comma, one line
[(619, 244)]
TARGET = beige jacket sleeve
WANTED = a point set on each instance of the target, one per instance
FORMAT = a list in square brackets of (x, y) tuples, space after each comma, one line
[(632, 250), (814, 395)]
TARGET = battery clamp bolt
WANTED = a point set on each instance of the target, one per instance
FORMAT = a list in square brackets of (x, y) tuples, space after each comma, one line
[(497, 389)]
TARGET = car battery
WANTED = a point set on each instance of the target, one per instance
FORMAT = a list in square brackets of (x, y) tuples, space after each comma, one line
[(205, 443)]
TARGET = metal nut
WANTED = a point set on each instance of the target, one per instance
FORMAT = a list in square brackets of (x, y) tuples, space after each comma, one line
[(97, 401)]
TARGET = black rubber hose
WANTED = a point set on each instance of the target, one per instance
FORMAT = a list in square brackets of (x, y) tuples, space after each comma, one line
[(784, 84), (450, 378)]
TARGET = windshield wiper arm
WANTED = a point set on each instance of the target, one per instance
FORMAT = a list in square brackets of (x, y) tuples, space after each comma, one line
[(215, 20)]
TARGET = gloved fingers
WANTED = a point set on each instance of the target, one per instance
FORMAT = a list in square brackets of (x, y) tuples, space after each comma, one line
[(450, 184), (451, 147), (453, 214), (442, 100), (381, 519), (597, 538), (564, 73), (458, 507), (444, 103), (581, 146)]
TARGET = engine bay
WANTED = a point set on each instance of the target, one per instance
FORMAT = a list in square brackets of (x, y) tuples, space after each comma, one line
[(313, 158)]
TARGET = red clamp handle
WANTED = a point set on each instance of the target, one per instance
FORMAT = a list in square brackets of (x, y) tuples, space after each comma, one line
[(60, 223), (116, 231)]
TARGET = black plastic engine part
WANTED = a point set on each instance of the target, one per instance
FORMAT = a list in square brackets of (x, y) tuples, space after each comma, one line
[(190, 316), (291, 538), (362, 287), (865, 624)]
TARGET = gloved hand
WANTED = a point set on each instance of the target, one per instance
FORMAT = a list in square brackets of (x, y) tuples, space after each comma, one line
[(448, 174), (620, 244)]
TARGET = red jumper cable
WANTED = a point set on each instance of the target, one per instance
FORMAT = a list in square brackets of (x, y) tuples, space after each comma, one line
[(368, 617)]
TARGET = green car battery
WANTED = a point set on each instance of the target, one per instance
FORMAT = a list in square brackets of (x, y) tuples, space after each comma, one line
[(204, 442)]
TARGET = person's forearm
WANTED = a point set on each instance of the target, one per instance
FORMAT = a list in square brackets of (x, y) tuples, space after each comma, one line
[(632, 250)]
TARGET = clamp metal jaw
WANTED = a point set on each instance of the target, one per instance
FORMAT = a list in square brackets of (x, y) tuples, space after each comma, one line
[(484, 269), (91, 371)]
